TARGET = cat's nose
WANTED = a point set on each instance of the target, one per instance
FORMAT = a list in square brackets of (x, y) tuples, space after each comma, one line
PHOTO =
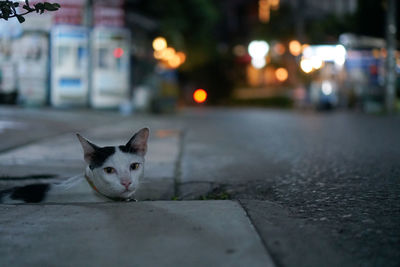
[(126, 183)]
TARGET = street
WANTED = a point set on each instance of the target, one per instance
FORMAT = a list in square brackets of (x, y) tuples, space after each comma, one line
[(319, 188)]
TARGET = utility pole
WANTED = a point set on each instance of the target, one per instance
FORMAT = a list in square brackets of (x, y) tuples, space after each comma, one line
[(390, 94)]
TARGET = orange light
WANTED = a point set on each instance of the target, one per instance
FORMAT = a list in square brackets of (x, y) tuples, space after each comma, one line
[(118, 52), (295, 48), (281, 74), (182, 57), (304, 46), (274, 4), (200, 95), (174, 62), (263, 10), (279, 49), (375, 53), (157, 54), (167, 53)]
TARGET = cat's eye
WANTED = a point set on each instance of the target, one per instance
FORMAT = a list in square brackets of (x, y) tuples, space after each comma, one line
[(135, 166), (109, 170)]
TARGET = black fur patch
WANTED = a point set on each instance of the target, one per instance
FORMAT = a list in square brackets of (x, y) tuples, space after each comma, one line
[(30, 193), (4, 193), (127, 149), (100, 156), (124, 149), (27, 177)]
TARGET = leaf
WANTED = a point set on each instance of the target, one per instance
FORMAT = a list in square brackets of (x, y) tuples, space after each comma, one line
[(28, 8), (20, 18), (39, 7), (51, 7), (16, 4), (5, 11)]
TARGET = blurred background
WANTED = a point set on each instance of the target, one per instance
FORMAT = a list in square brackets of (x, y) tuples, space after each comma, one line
[(330, 180), (153, 56)]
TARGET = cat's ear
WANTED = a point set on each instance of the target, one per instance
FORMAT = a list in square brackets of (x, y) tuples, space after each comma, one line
[(138, 143), (88, 148)]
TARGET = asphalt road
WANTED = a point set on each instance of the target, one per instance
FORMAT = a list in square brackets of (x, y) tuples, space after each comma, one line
[(322, 189), (334, 176)]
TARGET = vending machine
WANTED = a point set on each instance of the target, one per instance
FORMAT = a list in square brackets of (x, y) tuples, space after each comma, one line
[(69, 66), (110, 67), (32, 68), (9, 31)]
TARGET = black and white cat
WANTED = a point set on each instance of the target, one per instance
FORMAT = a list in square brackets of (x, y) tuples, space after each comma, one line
[(112, 173)]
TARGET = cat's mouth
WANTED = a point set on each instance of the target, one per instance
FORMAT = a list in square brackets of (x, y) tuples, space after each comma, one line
[(129, 189), (128, 192)]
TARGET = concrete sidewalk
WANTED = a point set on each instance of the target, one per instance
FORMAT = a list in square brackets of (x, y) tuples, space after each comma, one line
[(156, 233)]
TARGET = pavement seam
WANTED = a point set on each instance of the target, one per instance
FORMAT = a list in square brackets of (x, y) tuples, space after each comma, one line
[(178, 164), (274, 261)]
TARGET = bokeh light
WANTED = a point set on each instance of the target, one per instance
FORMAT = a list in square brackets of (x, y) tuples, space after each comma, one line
[(326, 88), (258, 49), (168, 53), (258, 63), (340, 55), (316, 63), (118, 52), (295, 48), (281, 74), (304, 46), (274, 4), (168, 57), (306, 65), (182, 57), (159, 43), (200, 95), (264, 11), (158, 54), (174, 61), (279, 49)]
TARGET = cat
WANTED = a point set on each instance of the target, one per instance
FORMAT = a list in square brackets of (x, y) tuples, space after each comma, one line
[(113, 173)]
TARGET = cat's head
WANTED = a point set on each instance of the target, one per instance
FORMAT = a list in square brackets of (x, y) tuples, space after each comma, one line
[(115, 171)]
